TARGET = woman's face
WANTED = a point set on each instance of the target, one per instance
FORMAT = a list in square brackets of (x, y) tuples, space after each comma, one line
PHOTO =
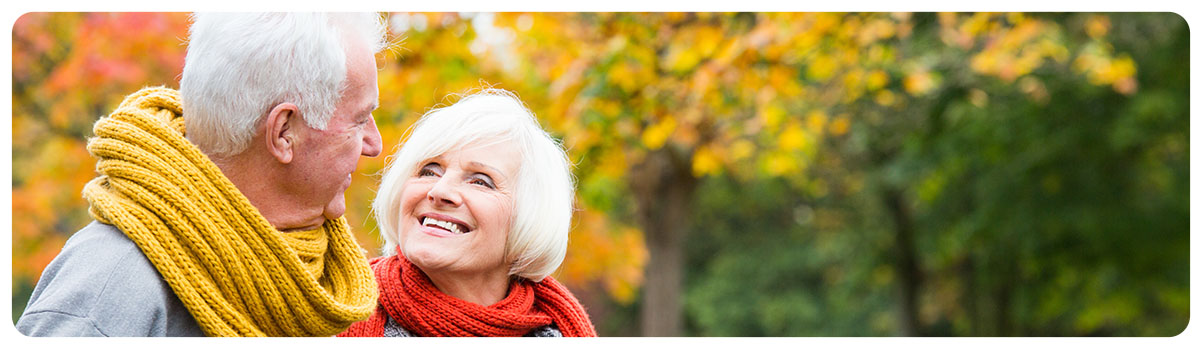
[(456, 211)]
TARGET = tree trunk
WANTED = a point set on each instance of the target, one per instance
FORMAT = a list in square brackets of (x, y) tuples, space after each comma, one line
[(1004, 290), (663, 187), (971, 296), (908, 274)]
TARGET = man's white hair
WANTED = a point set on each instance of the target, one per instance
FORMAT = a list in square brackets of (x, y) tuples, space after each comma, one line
[(543, 193), (240, 65)]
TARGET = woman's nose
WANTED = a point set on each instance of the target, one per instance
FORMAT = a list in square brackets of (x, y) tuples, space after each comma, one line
[(444, 193)]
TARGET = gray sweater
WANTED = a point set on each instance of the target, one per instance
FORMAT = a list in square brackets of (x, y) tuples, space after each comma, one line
[(391, 328), (101, 285)]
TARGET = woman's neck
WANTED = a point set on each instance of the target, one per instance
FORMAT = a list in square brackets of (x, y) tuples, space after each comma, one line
[(482, 289)]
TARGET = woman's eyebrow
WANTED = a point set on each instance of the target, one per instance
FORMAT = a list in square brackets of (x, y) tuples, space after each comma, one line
[(489, 167)]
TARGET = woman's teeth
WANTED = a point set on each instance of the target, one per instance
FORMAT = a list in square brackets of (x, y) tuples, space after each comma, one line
[(446, 225)]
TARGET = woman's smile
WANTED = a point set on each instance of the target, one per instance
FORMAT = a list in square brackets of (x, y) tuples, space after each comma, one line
[(442, 225)]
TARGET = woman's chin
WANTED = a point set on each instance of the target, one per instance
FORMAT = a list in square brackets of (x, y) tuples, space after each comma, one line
[(426, 257)]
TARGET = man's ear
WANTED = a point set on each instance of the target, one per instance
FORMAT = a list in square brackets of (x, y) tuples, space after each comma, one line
[(281, 131)]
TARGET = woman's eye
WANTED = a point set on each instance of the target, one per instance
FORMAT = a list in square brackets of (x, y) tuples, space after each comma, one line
[(428, 170), (482, 182)]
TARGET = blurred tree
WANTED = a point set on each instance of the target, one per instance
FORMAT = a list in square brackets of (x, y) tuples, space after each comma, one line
[(1001, 188), (1011, 209)]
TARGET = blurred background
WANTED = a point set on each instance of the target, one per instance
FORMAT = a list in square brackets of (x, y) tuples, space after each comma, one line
[(756, 174)]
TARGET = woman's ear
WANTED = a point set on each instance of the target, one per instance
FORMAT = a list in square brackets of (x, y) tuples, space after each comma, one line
[(281, 131)]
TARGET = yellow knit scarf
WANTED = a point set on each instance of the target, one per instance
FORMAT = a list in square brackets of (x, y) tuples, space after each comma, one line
[(235, 273)]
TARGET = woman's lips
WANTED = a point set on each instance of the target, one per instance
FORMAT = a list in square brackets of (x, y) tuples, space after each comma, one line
[(437, 231), (442, 225), (447, 218)]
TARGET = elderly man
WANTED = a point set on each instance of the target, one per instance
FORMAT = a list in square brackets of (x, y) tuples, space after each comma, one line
[(235, 229)]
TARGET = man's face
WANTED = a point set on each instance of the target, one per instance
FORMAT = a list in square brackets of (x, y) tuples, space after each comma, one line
[(326, 158)]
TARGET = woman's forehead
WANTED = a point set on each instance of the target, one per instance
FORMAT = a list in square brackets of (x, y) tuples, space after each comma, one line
[(491, 154)]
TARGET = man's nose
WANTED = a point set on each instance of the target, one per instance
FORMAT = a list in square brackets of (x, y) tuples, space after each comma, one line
[(372, 142)]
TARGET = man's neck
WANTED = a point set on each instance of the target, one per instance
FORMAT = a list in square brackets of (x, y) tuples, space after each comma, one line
[(254, 177)]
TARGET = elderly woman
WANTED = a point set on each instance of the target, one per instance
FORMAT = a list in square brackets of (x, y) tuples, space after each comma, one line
[(475, 209)]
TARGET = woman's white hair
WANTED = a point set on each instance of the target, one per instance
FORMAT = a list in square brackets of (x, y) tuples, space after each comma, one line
[(543, 193), (240, 65)]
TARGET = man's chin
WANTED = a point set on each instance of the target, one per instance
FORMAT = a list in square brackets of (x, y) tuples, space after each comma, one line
[(334, 213), (336, 208)]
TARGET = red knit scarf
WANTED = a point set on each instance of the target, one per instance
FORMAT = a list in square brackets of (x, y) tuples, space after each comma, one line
[(408, 296)]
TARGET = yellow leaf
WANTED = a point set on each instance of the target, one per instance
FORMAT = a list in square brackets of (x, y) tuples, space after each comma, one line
[(1097, 26), (919, 83), (741, 149), (880, 54), (785, 80), (772, 116), (621, 291), (686, 134), (876, 80), (1016, 17), (729, 51), (656, 135), (977, 24), (1054, 50), (985, 62), (626, 127), (853, 79), (580, 139), (822, 67), (626, 276), (623, 76), (1121, 68), (816, 120), (612, 164), (884, 29), (608, 108), (885, 98), (792, 138), (779, 163), (705, 162), (839, 126), (707, 40), (825, 21)]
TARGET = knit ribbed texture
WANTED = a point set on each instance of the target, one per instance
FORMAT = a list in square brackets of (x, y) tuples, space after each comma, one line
[(235, 273), (408, 296)]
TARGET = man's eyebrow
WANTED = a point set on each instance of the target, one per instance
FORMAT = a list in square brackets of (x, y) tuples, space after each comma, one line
[(489, 167), (371, 108)]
